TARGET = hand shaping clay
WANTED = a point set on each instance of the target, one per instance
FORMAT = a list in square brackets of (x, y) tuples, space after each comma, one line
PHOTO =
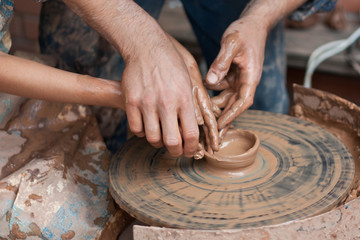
[(300, 170)]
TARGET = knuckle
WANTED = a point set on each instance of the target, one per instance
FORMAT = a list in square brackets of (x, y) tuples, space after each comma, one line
[(172, 143), (163, 103), (230, 41), (137, 130), (187, 101), (148, 101), (222, 66), (192, 65), (168, 104), (153, 139), (191, 135), (133, 101)]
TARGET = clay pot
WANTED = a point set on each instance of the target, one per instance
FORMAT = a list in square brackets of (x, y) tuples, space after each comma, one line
[(237, 150)]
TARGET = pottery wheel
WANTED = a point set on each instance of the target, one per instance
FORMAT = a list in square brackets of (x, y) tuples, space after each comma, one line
[(301, 170)]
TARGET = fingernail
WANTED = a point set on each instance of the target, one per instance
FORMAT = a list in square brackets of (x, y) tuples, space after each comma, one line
[(212, 78)]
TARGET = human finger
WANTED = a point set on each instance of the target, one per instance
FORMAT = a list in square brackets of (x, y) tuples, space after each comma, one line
[(216, 110), (243, 101), (171, 132), (222, 99), (221, 65), (207, 140), (223, 131), (152, 128), (190, 130), (224, 84), (199, 154), (134, 117), (209, 118), (198, 114)]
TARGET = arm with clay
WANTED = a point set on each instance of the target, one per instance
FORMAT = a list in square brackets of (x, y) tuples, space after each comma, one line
[(238, 66), (155, 82)]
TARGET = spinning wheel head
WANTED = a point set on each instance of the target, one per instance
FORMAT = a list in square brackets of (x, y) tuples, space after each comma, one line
[(300, 170)]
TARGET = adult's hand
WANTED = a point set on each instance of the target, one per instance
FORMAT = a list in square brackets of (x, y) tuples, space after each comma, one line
[(159, 103), (238, 65), (155, 82), (204, 109)]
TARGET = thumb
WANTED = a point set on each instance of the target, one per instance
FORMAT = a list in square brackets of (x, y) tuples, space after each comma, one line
[(221, 65)]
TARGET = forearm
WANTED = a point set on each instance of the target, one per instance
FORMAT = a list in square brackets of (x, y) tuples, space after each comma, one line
[(34, 80), (123, 23), (270, 12)]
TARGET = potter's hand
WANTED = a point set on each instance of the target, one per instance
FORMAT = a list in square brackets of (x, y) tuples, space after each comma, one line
[(242, 51), (157, 87), (158, 97), (203, 107), (155, 82), (238, 68)]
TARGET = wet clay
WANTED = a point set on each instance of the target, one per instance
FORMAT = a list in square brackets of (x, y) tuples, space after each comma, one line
[(236, 152), (236, 143), (301, 170), (336, 115), (339, 223)]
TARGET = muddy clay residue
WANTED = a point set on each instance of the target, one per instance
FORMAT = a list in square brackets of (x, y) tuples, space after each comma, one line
[(35, 197), (335, 114), (35, 231), (16, 233), (47, 141), (43, 144), (68, 235), (85, 181)]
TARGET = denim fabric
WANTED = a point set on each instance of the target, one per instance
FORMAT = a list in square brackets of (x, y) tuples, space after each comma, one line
[(210, 18), (311, 7)]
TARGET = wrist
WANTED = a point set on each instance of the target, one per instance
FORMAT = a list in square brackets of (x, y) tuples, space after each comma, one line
[(101, 92), (136, 32), (269, 12), (258, 22)]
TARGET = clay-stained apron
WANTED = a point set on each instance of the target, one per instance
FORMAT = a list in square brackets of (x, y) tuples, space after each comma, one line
[(54, 173)]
